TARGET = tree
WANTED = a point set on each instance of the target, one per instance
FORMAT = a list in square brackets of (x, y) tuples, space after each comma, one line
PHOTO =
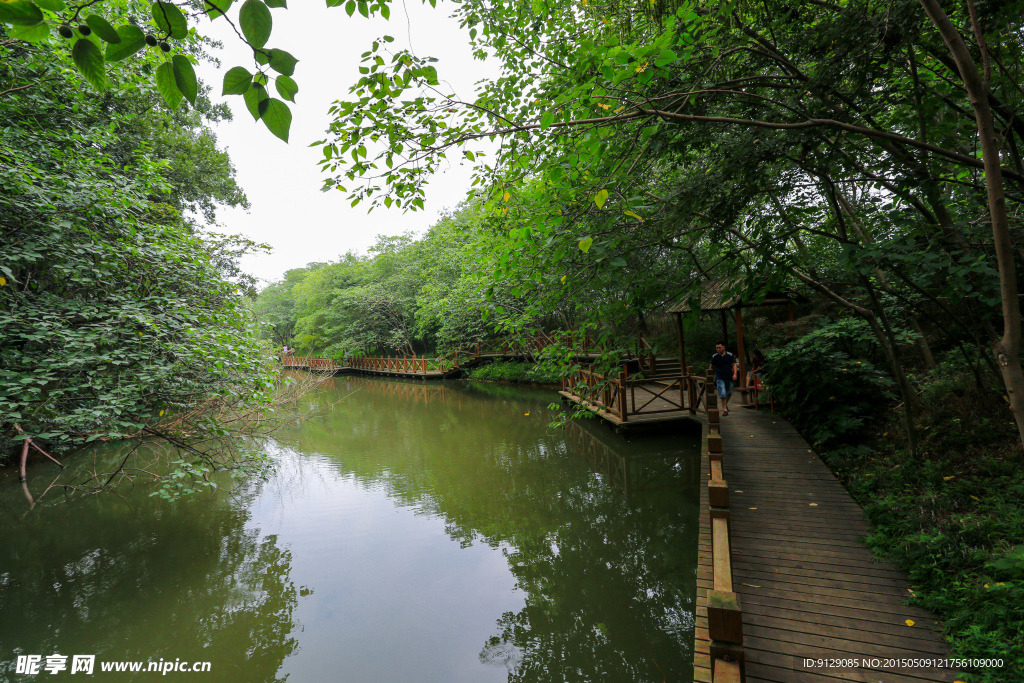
[(119, 316), (151, 32), (710, 132)]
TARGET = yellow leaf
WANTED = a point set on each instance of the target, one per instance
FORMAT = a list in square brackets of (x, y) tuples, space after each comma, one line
[(910, 622), (3, 281), (618, 110), (813, 505), (753, 508), (563, 279), (976, 498), (952, 476), (630, 213), (507, 196), (161, 413), (526, 414), (600, 198), (739, 492)]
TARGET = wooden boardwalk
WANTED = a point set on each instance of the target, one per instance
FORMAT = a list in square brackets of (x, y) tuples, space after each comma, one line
[(808, 587)]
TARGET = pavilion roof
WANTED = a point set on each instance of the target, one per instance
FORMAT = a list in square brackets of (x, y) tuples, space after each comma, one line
[(721, 295)]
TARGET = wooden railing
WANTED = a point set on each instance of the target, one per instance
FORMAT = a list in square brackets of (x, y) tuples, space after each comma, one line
[(625, 394), (404, 365), (725, 617)]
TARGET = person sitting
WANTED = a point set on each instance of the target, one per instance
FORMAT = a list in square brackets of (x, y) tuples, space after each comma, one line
[(757, 368)]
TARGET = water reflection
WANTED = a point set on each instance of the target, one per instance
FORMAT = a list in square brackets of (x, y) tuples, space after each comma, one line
[(414, 532), (607, 579), (125, 577)]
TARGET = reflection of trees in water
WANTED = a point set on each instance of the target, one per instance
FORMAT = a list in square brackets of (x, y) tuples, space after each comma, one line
[(609, 581), (125, 578)]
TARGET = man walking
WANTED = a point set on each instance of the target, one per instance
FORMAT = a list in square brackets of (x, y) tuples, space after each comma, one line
[(727, 369)]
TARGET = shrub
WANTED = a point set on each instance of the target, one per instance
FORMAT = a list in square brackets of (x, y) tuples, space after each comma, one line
[(502, 371), (827, 394)]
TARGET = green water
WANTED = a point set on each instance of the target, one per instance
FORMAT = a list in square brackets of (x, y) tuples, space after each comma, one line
[(414, 533)]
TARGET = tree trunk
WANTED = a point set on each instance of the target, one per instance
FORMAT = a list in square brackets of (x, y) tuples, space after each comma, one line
[(1006, 349)]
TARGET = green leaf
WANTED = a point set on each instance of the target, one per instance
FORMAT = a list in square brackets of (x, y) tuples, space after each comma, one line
[(222, 6), (260, 78), (277, 3), (547, 119), (253, 97), (236, 81), (30, 34), (170, 19), (618, 262), (277, 116), (286, 87), (585, 244), (103, 29), (261, 56), (19, 13), (89, 60), (282, 62), (52, 5), (350, 7), (666, 57), (600, 198), (166, 85), (132, 40), (185, 78), (256, 22)]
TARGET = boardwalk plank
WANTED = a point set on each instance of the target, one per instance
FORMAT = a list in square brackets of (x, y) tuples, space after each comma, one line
[(808, 585)]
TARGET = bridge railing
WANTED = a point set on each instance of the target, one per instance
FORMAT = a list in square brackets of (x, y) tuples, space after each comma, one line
[(624, 394), (725, 616)]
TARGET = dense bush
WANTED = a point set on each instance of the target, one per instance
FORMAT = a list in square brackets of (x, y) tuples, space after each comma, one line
[(502, 371), (827, 394)]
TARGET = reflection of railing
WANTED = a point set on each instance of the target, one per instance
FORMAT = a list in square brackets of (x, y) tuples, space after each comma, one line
[(623, 394)]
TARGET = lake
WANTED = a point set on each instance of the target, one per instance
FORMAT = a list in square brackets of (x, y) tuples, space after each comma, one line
[(412, 532)]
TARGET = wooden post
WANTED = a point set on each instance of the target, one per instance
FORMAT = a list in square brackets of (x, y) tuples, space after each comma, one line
[(424, 361), (691, 389), (725, 329), (741, 354), (711, 400), (623, 411)]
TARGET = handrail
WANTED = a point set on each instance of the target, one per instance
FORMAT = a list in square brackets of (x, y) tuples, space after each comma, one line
[(725, 617), (617, 394)]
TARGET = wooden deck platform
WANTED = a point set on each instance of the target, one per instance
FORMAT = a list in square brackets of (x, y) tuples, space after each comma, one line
[(808, 586), (658, 411)]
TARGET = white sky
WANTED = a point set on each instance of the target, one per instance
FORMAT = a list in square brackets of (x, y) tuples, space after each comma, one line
[(282, 180)]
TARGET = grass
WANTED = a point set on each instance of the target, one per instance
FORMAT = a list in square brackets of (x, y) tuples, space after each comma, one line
[(519, 373)]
